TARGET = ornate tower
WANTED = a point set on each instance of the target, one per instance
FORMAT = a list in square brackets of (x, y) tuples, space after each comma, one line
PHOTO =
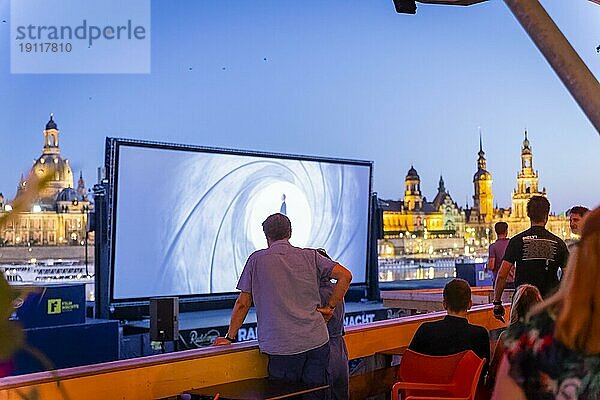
[(441, 186), (412, 195), (50, 160), (483, 199), (81, 186), (527, 182), (51, 137)]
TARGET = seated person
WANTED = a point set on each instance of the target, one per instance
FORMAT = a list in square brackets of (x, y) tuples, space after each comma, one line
[(454, 333), (524, 299)]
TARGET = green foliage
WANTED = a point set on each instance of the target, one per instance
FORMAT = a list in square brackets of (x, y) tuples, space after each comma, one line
[(11, 334), (11, 337)]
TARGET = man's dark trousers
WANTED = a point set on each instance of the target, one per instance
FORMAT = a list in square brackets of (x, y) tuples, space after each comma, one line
[(309, 367)]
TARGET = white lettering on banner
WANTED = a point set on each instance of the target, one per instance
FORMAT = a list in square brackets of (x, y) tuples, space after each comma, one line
[(205, 339), (245, 334), (358, 319)]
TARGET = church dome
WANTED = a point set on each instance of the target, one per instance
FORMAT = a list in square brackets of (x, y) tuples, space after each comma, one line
[(412, 174), (482, 175), (62, 178), (69, 194), (51, 124), (51, 162)]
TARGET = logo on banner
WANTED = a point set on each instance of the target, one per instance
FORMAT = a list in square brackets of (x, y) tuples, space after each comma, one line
[(54, 306)]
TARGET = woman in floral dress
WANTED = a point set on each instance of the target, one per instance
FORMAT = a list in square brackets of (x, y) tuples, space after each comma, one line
[(555, 355)]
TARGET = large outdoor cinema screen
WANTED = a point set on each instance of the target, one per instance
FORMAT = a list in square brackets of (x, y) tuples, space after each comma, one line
[(185, 219)]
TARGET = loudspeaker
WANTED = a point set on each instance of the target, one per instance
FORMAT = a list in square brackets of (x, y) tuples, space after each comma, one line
[(164, 319)]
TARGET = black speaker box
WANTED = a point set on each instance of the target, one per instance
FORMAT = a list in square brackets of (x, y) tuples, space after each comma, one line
[(164, 319)]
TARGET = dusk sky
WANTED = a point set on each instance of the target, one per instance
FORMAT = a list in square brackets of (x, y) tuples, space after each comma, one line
[(348, 79)]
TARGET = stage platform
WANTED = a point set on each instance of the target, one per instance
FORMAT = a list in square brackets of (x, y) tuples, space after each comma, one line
[(215, 319), (200, 328)]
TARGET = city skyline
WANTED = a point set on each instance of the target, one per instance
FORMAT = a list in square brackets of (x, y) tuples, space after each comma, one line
[(342, 80), (467, 204)]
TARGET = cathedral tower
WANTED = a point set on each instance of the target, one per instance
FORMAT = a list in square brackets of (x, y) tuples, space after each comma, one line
[(412, 195), (483, 199), (527, 182)]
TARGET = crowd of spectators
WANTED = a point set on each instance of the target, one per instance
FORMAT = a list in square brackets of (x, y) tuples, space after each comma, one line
[(549, 350)]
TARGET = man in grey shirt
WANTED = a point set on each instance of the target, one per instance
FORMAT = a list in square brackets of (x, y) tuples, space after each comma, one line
[(283, 281), (496, 254)]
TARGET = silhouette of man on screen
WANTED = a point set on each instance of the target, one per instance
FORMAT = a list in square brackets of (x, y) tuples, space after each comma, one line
[(283, 208)]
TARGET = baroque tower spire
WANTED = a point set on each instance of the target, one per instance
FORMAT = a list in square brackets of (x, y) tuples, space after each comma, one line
[(481, 161), (527, 182), (51, 137), (483, 199), (526, 155), (412, 194), (81, 185)]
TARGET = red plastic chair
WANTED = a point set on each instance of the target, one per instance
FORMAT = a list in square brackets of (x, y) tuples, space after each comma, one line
[(423, 377), (6, 368)]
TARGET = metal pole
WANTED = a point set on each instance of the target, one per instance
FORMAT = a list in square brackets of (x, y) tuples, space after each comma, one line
[(559, 53), (87, 273), (86, 210)]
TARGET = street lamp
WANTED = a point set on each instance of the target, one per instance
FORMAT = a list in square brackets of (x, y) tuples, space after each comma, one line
[(86, 210)]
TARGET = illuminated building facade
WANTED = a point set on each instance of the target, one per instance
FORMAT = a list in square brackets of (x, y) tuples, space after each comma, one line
[(59, 214), (414, 225)]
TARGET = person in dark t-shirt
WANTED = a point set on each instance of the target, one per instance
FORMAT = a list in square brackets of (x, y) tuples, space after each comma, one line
[(536, 253)]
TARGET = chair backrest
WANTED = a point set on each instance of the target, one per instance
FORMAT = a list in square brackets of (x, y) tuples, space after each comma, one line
[(462, 370), (417, 367), (467, 373)]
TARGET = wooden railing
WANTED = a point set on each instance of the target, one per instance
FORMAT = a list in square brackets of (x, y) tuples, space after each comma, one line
[(159, 376)]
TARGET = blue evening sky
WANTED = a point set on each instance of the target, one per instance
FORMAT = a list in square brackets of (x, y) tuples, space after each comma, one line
[(349, 79)]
